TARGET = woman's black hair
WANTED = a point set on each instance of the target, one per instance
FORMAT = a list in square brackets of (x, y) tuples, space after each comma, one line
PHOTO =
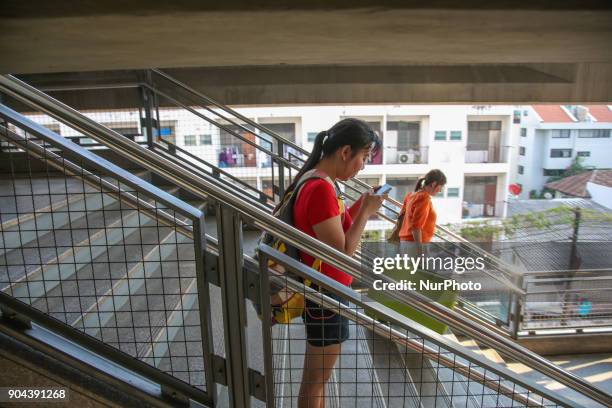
[(350, 131), (434, 175)]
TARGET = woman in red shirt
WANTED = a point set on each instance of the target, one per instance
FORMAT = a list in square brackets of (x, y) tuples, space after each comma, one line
[(419, 221), (338, 153)]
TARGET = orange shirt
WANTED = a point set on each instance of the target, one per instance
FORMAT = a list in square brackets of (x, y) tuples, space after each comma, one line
[(419, 215)]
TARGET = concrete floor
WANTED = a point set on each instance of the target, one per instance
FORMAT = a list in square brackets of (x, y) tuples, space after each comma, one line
[(595, 368)]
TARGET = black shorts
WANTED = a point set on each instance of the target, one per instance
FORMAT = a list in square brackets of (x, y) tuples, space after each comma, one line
[(325, 327)]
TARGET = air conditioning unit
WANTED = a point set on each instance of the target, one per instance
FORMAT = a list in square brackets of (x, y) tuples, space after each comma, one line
[(405, 157)]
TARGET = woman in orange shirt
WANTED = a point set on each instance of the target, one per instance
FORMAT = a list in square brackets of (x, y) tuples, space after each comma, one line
[(419, 221)]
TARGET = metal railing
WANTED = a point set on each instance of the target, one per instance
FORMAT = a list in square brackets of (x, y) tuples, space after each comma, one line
[(486, 153), (461, 377), (286, 158), (572, 301), (233, 210), (94, 247)]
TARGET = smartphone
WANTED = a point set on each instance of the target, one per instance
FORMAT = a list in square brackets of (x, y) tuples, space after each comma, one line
[(384, 189)]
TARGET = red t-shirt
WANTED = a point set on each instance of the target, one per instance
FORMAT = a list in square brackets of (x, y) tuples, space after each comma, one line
[(317, 202)]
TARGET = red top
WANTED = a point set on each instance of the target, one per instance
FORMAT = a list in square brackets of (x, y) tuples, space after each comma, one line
[(317, 202)]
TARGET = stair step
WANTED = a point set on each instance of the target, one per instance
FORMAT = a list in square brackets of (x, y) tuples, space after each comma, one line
[(396, 384)]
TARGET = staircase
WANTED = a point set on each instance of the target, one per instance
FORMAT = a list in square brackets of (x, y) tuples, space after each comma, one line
[(131, 260)]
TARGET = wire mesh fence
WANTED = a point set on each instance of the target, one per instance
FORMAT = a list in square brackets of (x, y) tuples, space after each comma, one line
[(350, 354), (95, 253), (568, 300)]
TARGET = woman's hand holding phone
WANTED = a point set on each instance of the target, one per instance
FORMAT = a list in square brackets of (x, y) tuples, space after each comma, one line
[(371, 202)]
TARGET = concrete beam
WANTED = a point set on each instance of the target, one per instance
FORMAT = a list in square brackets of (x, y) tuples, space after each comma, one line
[(290, 85), (327, 35)]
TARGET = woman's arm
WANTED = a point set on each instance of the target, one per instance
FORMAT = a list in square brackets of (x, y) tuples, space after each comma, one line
[(330, 232), (354, 209)]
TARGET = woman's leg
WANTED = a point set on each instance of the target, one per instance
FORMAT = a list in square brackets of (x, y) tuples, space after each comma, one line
[(318, 365)]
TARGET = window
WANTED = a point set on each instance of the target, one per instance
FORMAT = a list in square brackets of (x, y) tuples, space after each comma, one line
[(452, 192), (523, 132), (560, 133), (484, 125), (553, 172), (522, 150), (190, 140), (521, 169), (205, 139), (311, 136), (516, 116), (440, 135), (594, 133), (408, 134), (583, 154), (561, 153), (455, 135)]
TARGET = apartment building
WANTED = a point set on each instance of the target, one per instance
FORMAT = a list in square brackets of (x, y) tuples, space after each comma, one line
[(472, 145), (552, 136)]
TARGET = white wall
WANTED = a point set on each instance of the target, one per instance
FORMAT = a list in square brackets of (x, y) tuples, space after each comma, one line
[(602, 195), (539, 142), (448, 155)]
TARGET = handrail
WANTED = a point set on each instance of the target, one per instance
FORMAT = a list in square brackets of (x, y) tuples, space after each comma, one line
[(265, 221), (294, 146), (172, 146), (274, 156), (119, 173), (255, 125), (102, 349), (323, 281), (71, 169)]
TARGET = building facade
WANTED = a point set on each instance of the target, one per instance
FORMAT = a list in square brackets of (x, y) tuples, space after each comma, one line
[(473, 145), (553, 136)]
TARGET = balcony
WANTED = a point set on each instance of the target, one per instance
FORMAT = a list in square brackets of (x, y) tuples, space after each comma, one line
[(482, 209), (485, 153), (415, 154), (479, 197)]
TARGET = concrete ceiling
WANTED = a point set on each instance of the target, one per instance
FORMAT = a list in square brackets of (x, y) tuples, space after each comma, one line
[(324, 52)]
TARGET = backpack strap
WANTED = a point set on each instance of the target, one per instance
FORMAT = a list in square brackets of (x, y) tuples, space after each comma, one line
[(317, 174)]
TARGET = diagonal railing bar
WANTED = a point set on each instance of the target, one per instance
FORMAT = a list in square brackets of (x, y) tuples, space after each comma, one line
[(203, 187), (323, 281), (170, 147), (504, 265), (110, 189), (58, 153)]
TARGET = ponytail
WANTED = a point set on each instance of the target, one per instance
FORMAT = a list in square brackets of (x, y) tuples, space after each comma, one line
[(432, 176), (419, 184)]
